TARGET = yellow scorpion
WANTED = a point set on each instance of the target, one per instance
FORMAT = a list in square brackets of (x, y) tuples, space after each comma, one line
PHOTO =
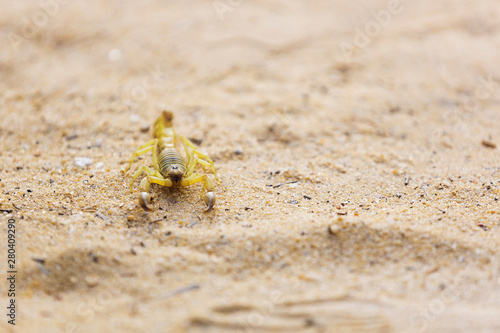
[(169, 167)]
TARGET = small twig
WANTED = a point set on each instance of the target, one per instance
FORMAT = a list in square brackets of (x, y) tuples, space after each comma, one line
[(281, 184), (39, 260), (102, 216), (488, 144), (89, 209), (6, 210), (178, 291)]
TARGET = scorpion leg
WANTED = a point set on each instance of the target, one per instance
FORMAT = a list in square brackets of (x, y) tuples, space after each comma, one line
[(208, 165), (207, 192), (148, 146), (192, 161), (138, 173), (160, 180)]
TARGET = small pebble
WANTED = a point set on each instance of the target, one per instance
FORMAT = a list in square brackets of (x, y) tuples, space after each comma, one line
[(99, 165), (83, 161), (144, 128), (92, 280), (39, 260), (134, 118), (114, 54), (488, 144), (334, 229)]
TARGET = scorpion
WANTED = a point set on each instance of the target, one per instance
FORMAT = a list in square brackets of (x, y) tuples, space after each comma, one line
[(170, 168)]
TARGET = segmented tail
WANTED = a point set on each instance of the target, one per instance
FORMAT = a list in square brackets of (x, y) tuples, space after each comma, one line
[(162, 122), (163, 130)]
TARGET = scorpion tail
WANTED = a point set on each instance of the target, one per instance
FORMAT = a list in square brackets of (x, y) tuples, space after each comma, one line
[(167, 117), (162, 122)]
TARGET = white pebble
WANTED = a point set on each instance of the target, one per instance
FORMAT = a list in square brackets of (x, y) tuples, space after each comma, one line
[(114, 54), (83, 161), (134, 118), (99, 165)]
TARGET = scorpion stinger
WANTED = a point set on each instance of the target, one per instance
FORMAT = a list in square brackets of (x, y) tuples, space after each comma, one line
[(169, 167)]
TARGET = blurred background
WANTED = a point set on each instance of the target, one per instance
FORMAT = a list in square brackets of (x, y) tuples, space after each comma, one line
[(319, 62), (356, 141)]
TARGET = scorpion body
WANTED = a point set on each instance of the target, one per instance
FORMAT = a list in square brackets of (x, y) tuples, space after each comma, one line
[(170, 168), (169, 158)]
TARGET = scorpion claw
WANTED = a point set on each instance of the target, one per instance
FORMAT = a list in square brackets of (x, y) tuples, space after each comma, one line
[(144, 199), (209, 198)]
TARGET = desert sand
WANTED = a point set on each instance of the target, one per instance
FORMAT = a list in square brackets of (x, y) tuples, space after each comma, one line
[(357, 145)]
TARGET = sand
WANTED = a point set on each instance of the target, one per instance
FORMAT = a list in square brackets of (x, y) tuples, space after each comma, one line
[(357, 146)]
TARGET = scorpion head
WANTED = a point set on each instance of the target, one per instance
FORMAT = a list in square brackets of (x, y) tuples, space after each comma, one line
[(175, 173)]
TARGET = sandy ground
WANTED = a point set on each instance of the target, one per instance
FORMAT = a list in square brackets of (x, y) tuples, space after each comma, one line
[(360, 173)]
